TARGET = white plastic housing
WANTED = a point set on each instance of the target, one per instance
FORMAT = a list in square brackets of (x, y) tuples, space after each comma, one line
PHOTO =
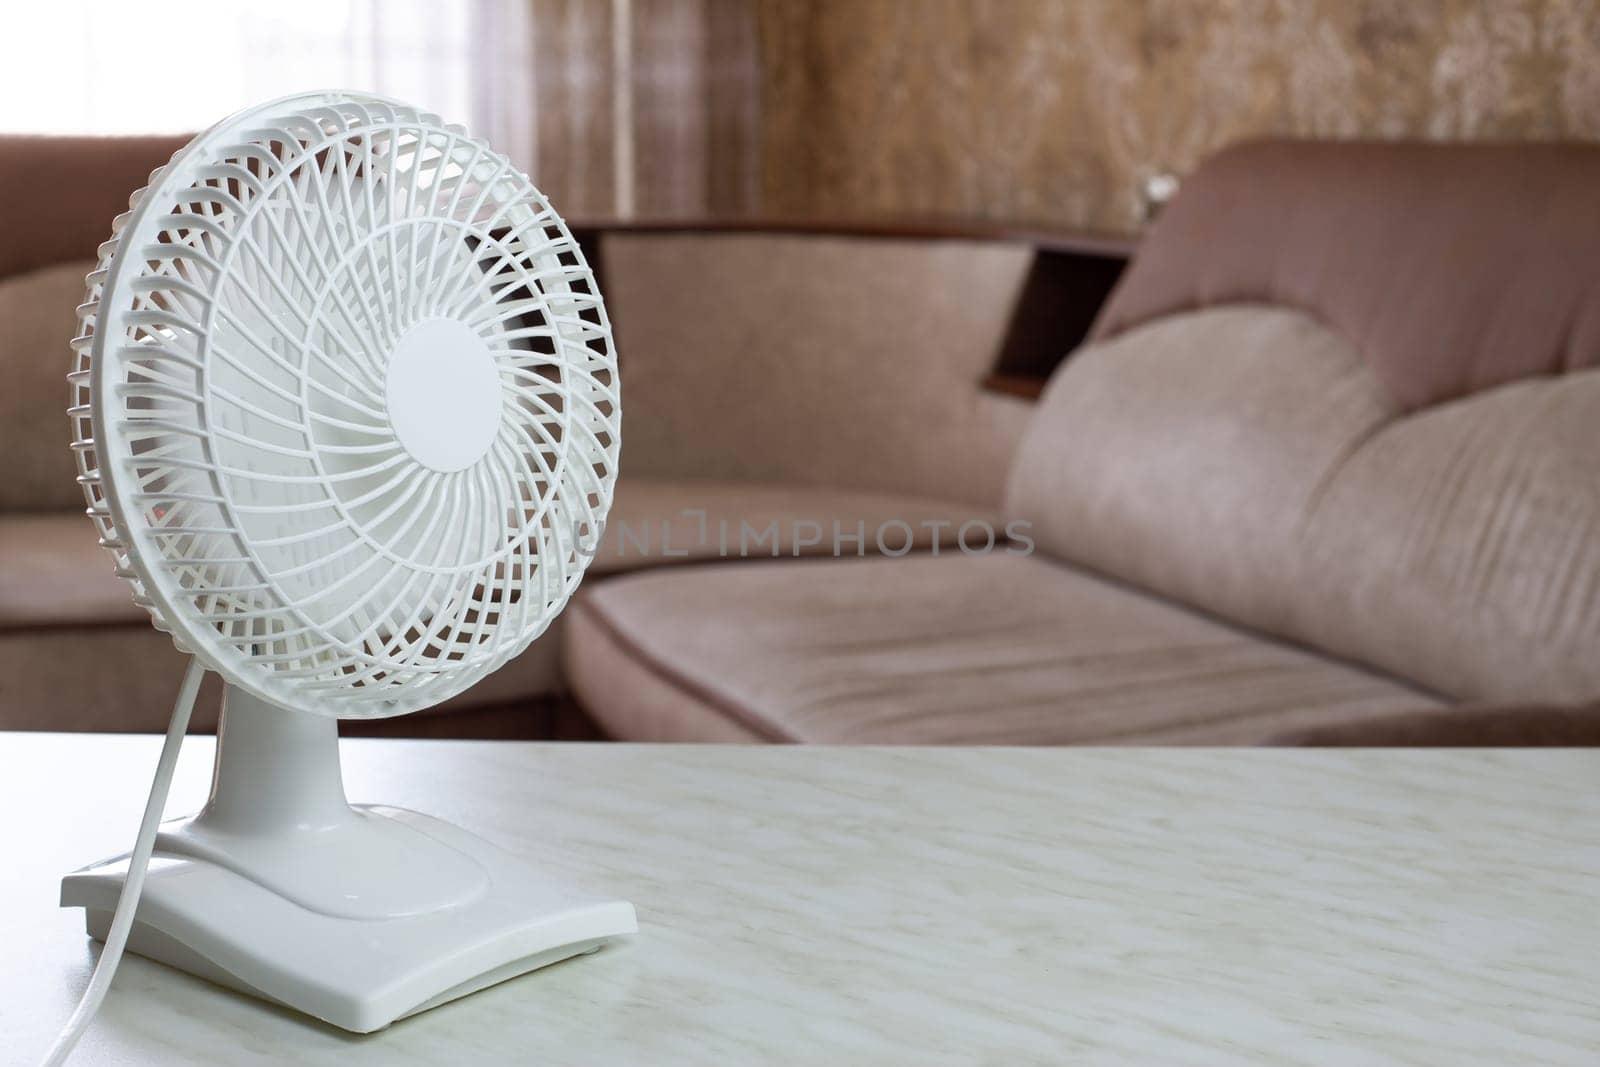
[(345, 410), (355, 915)]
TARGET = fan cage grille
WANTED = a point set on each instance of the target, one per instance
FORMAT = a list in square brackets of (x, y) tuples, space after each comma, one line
[(228, 405)]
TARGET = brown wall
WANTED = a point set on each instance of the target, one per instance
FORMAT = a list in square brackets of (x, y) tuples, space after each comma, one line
[(1054, 110), (1048, 111)]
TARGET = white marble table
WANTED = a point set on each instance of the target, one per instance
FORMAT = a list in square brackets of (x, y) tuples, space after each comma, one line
[(916, 906)]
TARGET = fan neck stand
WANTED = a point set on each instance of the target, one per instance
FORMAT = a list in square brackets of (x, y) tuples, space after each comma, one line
[(357, 915), (278, 816)]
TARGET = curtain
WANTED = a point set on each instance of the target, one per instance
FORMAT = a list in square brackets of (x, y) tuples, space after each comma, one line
[(613, 106), (168, 66)]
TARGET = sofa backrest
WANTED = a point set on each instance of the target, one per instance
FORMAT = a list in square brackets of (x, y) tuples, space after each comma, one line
[(58, 196), (1348, 394), (846, 361)]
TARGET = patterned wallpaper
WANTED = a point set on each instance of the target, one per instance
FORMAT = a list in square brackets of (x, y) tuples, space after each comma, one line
[(1048, 111), (1054, 111)]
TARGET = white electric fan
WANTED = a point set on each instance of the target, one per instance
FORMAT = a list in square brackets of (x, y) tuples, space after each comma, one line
[(346, 414)]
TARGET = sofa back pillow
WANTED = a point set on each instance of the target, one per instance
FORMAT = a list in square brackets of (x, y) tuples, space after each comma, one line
[(58, 196), (38, 318), (852, 362)]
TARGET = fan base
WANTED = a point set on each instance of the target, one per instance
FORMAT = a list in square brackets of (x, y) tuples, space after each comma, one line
[(357, 974)]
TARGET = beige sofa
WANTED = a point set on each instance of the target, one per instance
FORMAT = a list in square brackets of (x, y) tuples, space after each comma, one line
[(820, 312), (1323, 462), (1332, 455)]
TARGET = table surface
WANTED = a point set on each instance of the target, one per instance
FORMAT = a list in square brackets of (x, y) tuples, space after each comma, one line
[(914, 905)]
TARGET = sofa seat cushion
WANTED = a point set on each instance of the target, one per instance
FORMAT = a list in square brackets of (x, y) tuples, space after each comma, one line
[(653, 523), (123, 679), (61, 604), (76, 653), (54, 573), (994, 649)]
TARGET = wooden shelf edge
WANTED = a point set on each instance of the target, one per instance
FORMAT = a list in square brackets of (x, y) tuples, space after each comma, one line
[(1024, 386), (1086, 243)]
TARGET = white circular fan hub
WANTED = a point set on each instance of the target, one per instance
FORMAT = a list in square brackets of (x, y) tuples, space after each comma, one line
[(444, 395)]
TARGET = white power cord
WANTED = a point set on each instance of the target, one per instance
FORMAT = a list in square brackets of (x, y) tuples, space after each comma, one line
[(133, 884)]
